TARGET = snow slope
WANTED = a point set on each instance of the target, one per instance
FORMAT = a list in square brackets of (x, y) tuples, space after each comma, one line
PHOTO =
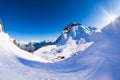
[(55, 53), (10, 65), (100, 61)]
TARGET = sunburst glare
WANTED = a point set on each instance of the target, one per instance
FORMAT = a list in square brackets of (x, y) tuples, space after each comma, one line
[(109, 16)]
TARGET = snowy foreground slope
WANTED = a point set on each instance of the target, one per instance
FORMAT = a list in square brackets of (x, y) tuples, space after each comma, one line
[(99, 61)]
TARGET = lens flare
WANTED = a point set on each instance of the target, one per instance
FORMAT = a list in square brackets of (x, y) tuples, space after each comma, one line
[(109, 16)]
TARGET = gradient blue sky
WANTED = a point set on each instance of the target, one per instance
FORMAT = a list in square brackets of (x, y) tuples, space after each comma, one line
[(45, 19)]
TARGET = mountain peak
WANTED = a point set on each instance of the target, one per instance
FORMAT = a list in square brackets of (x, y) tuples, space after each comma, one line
[(76, 31), (73, 24), (68, 27)]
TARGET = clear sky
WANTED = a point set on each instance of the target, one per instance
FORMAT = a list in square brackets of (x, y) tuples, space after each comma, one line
[(45, 19)]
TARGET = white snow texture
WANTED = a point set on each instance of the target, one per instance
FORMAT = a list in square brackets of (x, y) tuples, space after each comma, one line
[(81, 54)]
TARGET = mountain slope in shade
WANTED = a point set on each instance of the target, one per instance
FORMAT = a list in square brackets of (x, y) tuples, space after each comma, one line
[(100, 61), (33, 46)]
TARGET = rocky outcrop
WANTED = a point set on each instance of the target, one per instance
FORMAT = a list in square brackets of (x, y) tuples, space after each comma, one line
[(68, 27), (14, 41), (1, 26)]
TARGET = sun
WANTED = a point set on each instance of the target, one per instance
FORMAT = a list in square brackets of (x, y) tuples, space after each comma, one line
[(111, 18)]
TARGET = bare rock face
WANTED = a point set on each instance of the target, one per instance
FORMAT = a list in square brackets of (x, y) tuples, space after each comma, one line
[(1, 26), (14, 41)]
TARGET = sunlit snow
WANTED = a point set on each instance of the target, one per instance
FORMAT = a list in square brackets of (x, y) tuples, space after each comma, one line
[(98, 59)]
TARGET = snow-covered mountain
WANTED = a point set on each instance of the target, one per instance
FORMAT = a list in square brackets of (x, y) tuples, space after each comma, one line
[(34, 45), (76, 31), (96, 57), (74, 39)]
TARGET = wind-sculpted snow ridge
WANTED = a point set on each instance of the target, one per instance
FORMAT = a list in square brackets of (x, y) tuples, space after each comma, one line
[(99, 61)]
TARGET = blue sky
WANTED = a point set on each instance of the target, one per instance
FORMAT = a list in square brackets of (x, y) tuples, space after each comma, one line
[(45, 19)]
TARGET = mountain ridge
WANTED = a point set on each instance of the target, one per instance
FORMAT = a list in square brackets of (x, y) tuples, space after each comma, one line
[(69, 29)]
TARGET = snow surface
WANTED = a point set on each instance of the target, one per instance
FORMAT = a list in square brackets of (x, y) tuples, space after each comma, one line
[(55, 53), (98, 60)]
